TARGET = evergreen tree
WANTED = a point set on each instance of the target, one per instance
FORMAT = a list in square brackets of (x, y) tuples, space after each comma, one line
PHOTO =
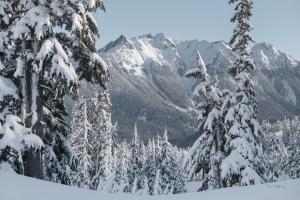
[(275, 156), (205, 156), (135, 166), (291, 166), (81, 141), (171, 178), (243, 160), (99, 112), (150, 167), (45, 39), (16, 141), (157, 190), (281, 157), (145, 191), (121, 179)]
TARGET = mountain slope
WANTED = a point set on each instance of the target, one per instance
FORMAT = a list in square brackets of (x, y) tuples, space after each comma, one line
[(148, 86)]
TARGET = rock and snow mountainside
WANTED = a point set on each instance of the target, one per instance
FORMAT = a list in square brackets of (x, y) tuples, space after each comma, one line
[(16, 187), (148, 86)]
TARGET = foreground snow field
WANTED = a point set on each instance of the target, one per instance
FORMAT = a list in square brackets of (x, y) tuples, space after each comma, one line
[(15, 187)]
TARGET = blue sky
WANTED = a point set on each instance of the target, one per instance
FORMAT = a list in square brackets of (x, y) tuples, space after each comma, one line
[(274, 21)]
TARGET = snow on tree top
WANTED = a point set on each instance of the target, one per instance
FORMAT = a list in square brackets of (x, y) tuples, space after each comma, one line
[(198, 72), (201, 63)]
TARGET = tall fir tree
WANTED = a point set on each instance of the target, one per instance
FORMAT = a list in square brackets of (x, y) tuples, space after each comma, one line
[(291, 165), (121, 179), (135, 166), (171, 175), (205, 157), (99, 112), (81, 141), (275, 155), (150, 167), (243, 160), (16, 141), (44, 40)]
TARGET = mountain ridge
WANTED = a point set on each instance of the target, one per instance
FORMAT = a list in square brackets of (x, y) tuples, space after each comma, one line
[(149, 89)]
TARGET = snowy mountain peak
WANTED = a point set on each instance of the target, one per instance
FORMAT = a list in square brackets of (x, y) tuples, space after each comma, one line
[(119, 42), (267, 56), (132, 55), (159, 37)]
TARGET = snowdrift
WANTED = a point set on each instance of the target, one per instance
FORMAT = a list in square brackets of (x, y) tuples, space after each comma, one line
[(16, 187)]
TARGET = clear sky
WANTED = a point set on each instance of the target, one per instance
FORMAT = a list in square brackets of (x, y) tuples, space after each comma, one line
[(274, 21)]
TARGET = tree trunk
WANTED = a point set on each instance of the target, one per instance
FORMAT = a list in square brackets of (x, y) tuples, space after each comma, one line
[(32, 159), (33, 164)]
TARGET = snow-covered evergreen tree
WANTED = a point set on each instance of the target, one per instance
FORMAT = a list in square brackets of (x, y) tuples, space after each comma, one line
[(171, 176), (16, 141), (157, 190), (121, 179), (281, 157), (99, 112), (163, 169), (46, 39), (135, 166), (243, 160), (275, 155), (205, 157), (145, 191), (81, 141), (150, 167), (291, 165)]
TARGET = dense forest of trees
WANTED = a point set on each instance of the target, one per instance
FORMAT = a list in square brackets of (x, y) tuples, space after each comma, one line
[(48, 57)]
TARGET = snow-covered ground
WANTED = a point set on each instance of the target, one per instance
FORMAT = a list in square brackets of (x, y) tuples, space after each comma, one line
[(15, 187)]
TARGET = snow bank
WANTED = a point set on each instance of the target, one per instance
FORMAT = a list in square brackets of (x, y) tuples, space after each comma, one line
[(15, 187)]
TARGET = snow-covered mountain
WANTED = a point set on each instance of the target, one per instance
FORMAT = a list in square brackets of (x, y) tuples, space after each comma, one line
[(148, 86)]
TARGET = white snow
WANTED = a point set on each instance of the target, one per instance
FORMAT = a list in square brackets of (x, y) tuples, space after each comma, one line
[(7, 87), (18, 137), (37, 18), (32, 141), (16, 187), (267, 56), (96, 58), (1, 64), (134, 54), (20, 67), (61, 66), (77, 21)]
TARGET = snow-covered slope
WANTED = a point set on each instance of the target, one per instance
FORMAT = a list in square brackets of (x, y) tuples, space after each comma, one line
[(148, 86), (16, 187)]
